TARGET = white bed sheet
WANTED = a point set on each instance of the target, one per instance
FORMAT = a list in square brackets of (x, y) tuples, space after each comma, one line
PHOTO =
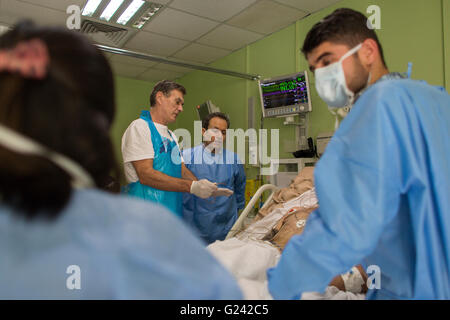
[(258, 229)]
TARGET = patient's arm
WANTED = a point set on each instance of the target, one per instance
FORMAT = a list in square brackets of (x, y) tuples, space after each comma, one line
[(338, 281), (364, 275)]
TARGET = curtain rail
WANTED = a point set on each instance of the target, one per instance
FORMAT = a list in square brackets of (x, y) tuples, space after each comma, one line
[(149, 57)]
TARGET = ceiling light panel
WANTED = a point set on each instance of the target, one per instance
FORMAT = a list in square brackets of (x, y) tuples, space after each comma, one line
[(91, 7), (130, 11), (111, 9), (152, 9)]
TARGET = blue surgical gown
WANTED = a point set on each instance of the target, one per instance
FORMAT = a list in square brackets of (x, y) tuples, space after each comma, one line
[(213, 218), (124, 248), (383, 186)]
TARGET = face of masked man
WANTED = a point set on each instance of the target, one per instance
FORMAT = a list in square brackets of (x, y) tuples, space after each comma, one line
[(340, 71), (214, 138)]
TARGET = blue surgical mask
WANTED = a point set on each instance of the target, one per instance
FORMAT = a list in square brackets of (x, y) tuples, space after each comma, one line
[(331, 85)]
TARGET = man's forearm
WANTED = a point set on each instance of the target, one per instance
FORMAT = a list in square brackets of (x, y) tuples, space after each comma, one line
[(158, 180), (187, 174)]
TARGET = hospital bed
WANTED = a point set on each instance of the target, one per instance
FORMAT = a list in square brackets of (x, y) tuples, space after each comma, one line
[(240, 222), (249, 259)]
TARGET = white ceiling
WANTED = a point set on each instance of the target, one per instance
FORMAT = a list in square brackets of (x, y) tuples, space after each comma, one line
[(199, 31)]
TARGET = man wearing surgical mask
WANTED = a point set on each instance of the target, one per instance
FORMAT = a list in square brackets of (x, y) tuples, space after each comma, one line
[(383, 181), (213, 218)]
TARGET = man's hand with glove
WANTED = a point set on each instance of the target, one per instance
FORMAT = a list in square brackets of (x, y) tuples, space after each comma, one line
[(203, 188), (223, 192)]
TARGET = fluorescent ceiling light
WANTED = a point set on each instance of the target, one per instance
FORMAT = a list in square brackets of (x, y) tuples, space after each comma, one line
[(90, 7), (130, 11), (111, 9), (148, 15)]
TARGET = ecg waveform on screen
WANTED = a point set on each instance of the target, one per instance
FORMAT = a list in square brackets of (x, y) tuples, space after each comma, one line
[(285, 92)]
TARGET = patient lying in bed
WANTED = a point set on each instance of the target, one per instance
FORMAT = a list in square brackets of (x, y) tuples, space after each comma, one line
[(258, 247)]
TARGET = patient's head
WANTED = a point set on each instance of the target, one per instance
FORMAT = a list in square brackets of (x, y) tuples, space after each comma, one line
[(68, 109)]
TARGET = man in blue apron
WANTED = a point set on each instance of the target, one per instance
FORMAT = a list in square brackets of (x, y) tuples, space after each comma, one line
[(153, 164)]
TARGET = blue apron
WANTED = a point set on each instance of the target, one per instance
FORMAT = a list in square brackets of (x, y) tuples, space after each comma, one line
[(164, 148)]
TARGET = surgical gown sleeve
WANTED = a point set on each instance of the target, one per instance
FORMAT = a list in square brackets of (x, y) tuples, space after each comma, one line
[(240, 181), (357, 185), (124, 248), (161, 259)]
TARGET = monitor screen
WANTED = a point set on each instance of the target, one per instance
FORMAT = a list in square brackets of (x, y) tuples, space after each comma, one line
[(206, 108), (203, 111), (285, 95)]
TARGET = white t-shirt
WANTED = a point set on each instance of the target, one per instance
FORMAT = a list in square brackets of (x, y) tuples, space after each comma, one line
[(137, 145)]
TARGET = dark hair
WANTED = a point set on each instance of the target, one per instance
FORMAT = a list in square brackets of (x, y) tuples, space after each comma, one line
[(344, 26), (207, 119), (70, 111), (110, 184), (165, 86)]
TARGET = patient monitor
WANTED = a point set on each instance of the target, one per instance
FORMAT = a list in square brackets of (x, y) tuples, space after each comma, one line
[(206, 108), (285, 95)]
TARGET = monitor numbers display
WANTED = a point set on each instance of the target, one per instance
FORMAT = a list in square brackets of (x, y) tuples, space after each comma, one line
[(285, 92)]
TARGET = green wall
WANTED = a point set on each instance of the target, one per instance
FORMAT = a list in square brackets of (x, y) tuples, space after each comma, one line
[(132, 96), (221, 89), (411, 31), (446, 40)]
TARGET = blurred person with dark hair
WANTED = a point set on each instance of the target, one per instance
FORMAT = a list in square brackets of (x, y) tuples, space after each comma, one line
[(213, 218), (61, 237), (152, 159), (383, 182)]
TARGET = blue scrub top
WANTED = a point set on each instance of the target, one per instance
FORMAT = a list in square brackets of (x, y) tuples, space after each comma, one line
[(383, 186), (125, 249), (213, 218)]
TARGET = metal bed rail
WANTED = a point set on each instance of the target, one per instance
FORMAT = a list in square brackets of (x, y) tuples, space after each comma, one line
[(240, 221)]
